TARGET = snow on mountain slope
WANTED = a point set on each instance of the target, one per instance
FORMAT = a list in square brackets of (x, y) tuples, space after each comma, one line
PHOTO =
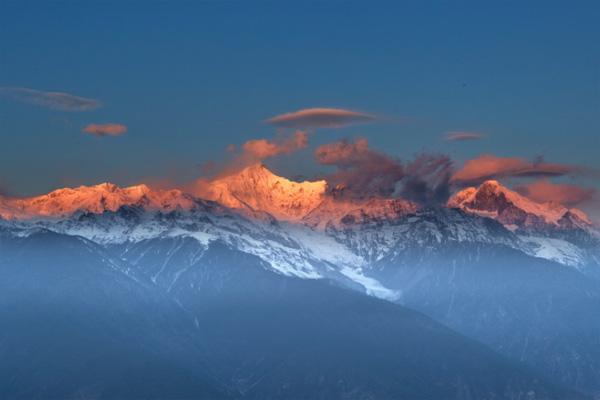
[(289, 249), (554, 249), (339, 212), (109, 215), (257, 188), (95, 199), (428, 228)]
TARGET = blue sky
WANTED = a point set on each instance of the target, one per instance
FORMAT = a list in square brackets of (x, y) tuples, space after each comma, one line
[(190, 78)]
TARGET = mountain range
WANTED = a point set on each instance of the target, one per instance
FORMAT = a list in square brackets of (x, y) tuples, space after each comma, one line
[(257, 286)]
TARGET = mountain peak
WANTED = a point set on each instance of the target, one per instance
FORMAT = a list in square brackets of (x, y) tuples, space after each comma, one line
[(95, 199), (111, 187), (492, 199), (259, 168), (492, 184), (257, 188), (257, 171)]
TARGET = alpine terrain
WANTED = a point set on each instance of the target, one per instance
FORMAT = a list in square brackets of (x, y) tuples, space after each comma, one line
[(262, 287)]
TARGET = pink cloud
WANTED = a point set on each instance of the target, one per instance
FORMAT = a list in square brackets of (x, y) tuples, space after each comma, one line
[(462, 136), (256, 150), (105, 129), (311, 118), (488, 166), (566, 194), (263, 148)]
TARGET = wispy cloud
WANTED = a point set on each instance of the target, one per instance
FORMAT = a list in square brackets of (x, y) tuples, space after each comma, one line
[(105, 129), (312, 118), (566, 194), (460, 136), (53, 100), (488, 166)]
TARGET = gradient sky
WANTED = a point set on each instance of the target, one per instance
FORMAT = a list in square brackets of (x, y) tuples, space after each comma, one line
[(188, 79)]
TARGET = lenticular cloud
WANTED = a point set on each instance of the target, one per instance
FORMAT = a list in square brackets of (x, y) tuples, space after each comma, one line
[(312, 118), (53, 100)]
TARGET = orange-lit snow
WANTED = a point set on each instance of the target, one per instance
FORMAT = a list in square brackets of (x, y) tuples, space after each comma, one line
[(550, 212)]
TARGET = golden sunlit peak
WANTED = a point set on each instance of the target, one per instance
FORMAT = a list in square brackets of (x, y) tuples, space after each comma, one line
[(105, 186), (492, 182), (95, 199), (257, 188)]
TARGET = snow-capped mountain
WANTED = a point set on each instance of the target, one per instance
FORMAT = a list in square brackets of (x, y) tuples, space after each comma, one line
[(491, 199), (95, 199), (445, 261), (546, 230), (302, 228), (258, 189), (287, 248)]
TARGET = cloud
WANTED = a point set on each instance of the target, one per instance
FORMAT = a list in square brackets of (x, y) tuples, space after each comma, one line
[(361, 171), (461, 136), (262, 148), (427, 179), (312, 118), (488, 166), (54, 100), (254, 151), (345, 154), (566, 194), (105, 129)]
